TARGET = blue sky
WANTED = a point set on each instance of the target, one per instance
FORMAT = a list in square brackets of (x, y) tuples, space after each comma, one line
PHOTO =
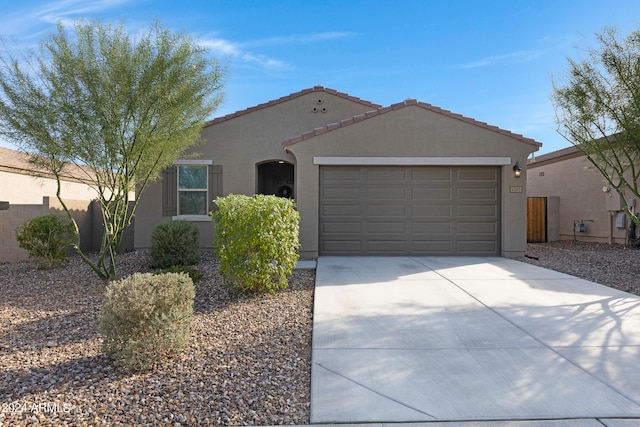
[(491, 60)]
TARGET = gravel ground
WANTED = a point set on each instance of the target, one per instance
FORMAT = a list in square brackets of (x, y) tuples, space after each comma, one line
[(611, 265), (249, 361)]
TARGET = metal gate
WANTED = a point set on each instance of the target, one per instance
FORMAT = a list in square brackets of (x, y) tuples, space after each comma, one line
[(536, 219)]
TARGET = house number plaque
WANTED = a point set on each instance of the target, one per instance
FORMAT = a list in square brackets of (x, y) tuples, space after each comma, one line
[(516, 189)]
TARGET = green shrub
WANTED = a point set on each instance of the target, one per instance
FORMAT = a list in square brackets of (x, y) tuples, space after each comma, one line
[(256, 241), (193, 273), (145, 318), (46, 238), (175, 243)]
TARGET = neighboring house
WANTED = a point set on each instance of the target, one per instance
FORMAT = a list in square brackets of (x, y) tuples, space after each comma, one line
[(32, 192), (579, 203), (410, 178), (22, 183)]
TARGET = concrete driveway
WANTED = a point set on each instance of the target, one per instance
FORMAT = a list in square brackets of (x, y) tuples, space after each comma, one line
[(429, 339)]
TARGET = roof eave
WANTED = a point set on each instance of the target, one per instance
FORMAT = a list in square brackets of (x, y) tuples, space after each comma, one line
[(318, 88), (408, 102)]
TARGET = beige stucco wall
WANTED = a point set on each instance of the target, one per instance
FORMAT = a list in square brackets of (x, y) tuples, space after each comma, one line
[(412, 132), (27, 190), (30, 196), (579, 189), (241, 143)]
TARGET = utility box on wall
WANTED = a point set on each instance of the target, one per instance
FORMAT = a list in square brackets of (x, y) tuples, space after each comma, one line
[(613, 202)]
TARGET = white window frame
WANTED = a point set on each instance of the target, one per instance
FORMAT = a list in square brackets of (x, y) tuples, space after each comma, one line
[(191, 162)]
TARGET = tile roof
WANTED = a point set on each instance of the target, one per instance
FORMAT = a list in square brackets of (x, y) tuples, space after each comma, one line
[(408, 102), (294, 95), (13, 161), (12, 158), (555, 156), (570, 152)]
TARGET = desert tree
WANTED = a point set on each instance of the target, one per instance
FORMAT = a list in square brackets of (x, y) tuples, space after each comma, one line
[(597, 105), (113, 107)]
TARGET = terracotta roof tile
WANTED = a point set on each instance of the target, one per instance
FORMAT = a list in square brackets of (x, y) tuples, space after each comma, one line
[(294, 95), (399, 105), (12, 158), (555, 156), (16, 162)]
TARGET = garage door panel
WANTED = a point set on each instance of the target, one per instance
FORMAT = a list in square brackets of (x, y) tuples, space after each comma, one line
[(478, 211), (490, 194), (341, 175), (431, 193), (348, 193), (477, 174), (444, 228), (432, 247), (342, 227), (431, 211), (386, 174), (470, 247), (349, 210), (433, 175), (387, 193), (393, 210), (377, 211), (384, 247), (477, 228), (341, 246), (386, 227)]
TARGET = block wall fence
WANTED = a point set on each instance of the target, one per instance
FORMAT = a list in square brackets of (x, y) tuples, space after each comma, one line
[(87, 215)]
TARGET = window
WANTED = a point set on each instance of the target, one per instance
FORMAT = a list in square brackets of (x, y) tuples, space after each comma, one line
[(193, 189), (189, 188)]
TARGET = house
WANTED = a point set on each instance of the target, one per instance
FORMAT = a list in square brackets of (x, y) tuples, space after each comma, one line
[(409, 178), (31, 192), (580, 205)]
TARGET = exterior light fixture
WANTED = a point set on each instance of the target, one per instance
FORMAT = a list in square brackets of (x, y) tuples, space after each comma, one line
[(517, 170)]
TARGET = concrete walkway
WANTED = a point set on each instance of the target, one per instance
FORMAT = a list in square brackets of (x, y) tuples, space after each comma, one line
[(461, 341)]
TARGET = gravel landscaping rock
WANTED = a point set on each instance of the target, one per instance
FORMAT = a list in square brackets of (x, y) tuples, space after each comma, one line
[(611, 265), (249, 362)]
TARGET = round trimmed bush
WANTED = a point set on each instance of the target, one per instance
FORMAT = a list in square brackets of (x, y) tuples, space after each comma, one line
[(46, 238), (175, 243), (146, 317), (256, 241)]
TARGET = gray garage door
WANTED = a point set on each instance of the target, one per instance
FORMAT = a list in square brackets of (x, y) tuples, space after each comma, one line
[(392, 210)]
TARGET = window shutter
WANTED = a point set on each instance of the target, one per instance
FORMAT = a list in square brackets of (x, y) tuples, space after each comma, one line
[(215, 185), (170, 191)]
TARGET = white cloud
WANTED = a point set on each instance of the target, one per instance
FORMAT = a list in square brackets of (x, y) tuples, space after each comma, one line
[(28, 23), (514, 57), (228, 48), (299, 39), (243, 51), (221, 46), (55, 11), (265, 61)]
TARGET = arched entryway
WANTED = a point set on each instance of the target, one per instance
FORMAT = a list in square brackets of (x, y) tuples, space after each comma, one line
[(276, 177)]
